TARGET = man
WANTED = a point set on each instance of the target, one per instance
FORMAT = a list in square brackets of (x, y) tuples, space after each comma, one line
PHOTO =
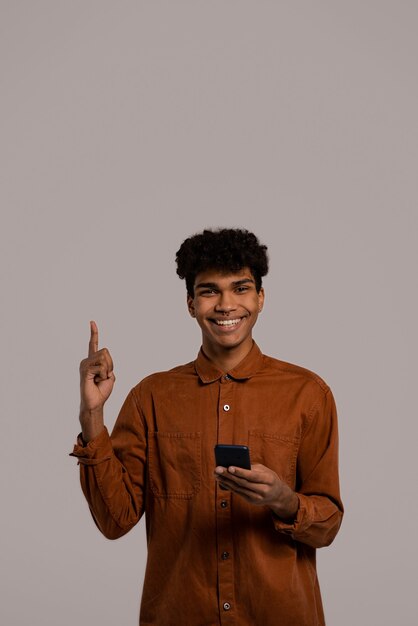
[(226, 546)]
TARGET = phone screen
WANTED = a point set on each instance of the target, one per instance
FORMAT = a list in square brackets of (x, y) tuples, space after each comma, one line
[(229, 454)]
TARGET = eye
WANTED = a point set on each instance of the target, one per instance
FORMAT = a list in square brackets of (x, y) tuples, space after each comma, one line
[(207, 292), (242, 289)]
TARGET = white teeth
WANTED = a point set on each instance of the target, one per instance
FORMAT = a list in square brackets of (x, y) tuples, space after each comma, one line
[(228, 322)]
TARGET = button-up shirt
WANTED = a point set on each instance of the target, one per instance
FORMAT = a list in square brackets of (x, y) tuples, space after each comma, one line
[(213, 558)]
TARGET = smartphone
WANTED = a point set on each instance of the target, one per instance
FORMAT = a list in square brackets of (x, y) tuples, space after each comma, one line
[(227, 455)]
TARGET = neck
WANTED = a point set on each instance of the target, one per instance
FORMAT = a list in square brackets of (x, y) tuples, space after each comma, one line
[(226, 359)]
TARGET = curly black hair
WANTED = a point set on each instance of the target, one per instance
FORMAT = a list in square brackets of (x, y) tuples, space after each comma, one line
[(224, 249)]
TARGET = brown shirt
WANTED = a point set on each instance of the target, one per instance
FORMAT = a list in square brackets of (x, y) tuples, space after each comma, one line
[(213, 558)]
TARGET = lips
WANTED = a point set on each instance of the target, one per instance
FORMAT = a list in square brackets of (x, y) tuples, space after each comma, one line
[(228, 322)]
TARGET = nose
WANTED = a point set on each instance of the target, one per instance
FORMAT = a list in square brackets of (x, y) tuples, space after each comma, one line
[(226, 303)]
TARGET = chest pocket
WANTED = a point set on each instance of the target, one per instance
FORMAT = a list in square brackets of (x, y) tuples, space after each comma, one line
[(275, 452), (174, 464)]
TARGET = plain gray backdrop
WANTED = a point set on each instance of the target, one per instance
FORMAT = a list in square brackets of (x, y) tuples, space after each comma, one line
[(127, 126)]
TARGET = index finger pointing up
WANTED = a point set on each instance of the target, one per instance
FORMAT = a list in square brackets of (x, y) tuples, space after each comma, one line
[(94, 338)]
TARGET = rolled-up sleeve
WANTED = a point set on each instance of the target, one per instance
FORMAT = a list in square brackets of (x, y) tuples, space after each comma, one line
[(320, 507), (112, 471)]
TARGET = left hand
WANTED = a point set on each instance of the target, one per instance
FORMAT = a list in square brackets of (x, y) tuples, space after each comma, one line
[(260, 486)]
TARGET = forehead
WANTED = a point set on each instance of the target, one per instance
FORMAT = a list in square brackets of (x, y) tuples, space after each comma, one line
[(223, 278)]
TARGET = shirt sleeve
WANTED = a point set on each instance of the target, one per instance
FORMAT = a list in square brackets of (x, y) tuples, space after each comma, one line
[(112, 472), (320, 507)]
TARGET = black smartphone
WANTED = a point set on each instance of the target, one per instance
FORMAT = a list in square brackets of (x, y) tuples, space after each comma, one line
[(227, 455)]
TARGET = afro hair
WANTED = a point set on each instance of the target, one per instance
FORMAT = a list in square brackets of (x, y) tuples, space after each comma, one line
[(226, 250)]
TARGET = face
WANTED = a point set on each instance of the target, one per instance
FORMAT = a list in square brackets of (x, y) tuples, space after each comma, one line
[(226, 307)]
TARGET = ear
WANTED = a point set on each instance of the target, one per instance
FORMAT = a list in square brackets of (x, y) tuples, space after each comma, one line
[(261, 296), (190, 305)]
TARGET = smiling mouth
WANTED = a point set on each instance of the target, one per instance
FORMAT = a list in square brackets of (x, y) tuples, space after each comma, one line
[(229, 323)]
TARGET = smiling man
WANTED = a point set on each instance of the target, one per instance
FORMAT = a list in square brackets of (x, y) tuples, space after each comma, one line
[(226, 545), (226, 308)]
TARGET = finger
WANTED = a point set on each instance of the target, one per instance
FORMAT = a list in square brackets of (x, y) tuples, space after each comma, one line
[(101, 358), (242, 483), (108, 359), (98, 372), (94, 338), (234, 483), (248, 494), (252, 475), (240, 475), (101, 372)]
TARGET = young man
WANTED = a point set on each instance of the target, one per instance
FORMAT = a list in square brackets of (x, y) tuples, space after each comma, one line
[(226, 546)]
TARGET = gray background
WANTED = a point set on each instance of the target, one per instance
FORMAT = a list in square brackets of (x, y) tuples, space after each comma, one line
[(126, 127)]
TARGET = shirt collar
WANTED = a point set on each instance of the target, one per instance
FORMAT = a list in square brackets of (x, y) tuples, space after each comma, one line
[(250, 365)]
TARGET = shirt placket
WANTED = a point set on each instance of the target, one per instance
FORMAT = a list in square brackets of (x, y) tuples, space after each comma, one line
[(225, 560)]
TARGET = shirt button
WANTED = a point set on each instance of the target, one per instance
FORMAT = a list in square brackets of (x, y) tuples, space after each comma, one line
[(227, 606), (224, 504), (226, 377), (226, 407), (225, 555)]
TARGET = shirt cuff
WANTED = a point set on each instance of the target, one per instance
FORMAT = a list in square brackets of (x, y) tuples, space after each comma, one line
[(299, 524), (96, 451)]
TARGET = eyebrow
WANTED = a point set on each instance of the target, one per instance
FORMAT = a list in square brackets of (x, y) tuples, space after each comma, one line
[(235, 283)]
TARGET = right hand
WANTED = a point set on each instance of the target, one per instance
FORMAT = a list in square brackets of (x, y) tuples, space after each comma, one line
[(96, 384)]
